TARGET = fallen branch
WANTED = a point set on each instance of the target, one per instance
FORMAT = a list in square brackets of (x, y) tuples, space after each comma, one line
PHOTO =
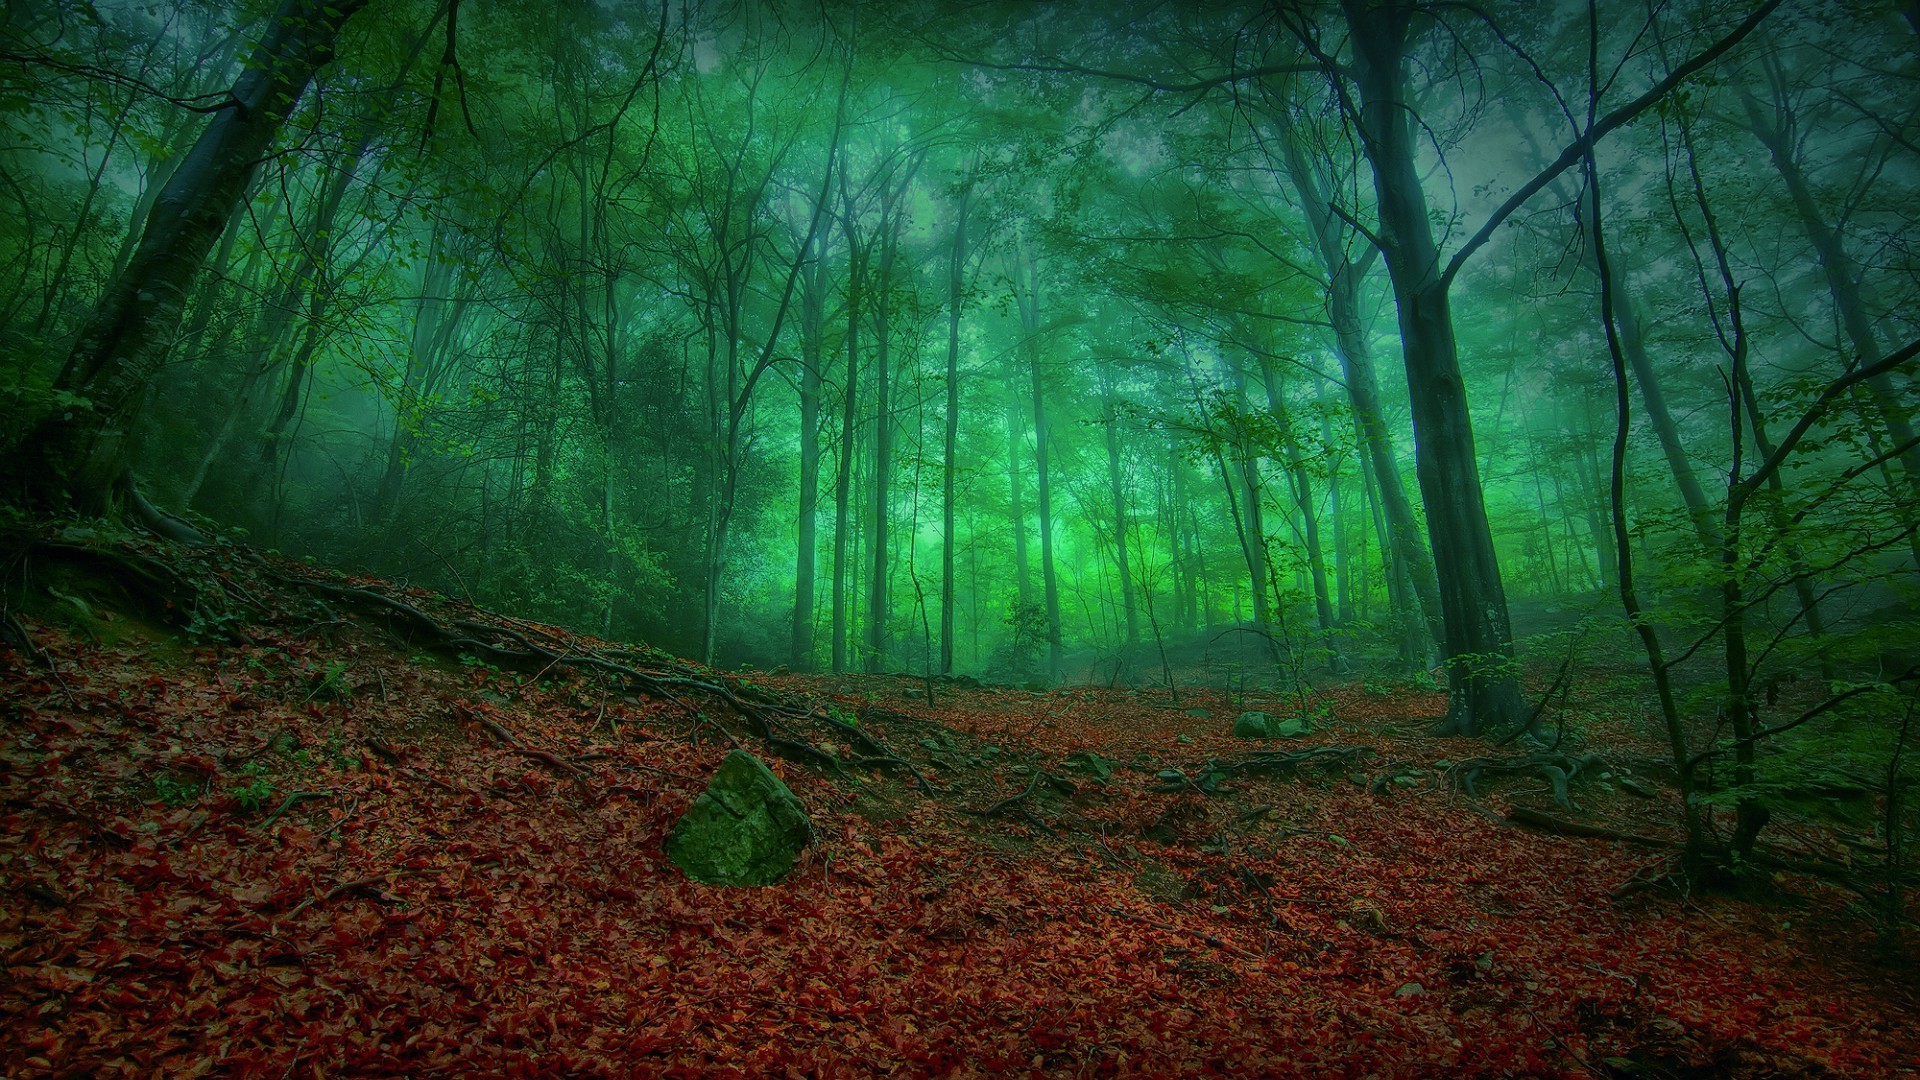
[(337, 891), (1534, 819)]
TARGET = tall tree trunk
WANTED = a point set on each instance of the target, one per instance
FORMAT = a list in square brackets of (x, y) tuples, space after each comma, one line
[(849, 428), (84, 454), (806, 563), (1413, 565), (878, 607), (1842, 273), (1016, 501), (1634, 345), (956, 283), (1029, 302), (1336, 506), (1483, 686)]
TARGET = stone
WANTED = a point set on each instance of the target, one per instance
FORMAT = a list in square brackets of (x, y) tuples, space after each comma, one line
[(747, 828), (1291, 728), (1253, 725)]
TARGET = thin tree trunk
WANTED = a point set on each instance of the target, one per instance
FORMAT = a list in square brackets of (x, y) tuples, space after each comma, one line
[(1043, 486), (1303, 499), (1118, 489), (1016, 503), (956, 268), (806, 561), (849, 428), (878, 606), (1841, 272), (1402, 542)]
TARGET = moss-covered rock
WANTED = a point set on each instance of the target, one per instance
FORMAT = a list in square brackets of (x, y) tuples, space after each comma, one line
[(1259, 725), (747, 828)]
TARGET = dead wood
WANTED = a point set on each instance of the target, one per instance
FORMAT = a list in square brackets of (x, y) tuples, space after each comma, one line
[(1534, 819)]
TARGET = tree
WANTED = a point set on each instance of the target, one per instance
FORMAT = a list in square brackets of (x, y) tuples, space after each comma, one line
[(83, 454)]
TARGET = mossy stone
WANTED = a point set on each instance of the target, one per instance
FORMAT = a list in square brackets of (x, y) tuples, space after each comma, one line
[(747, 828), (1252, 725)]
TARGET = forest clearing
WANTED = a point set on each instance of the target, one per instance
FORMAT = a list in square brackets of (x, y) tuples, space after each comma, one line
[(935, 537)]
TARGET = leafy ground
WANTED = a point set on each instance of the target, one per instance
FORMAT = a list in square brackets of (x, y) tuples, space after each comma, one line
[(305, 846)]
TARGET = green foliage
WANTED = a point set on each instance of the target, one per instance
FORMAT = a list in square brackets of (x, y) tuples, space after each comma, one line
[(179, 789), (258, 791), (1021, 653), (207, 625)]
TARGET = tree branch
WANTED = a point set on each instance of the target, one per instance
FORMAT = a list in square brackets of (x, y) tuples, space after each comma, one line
[(1617, 118)]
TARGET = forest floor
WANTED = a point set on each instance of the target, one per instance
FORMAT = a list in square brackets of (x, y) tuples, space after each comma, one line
[(259, 819)]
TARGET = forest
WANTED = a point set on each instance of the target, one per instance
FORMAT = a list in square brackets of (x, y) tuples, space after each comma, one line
[(1278, 537)]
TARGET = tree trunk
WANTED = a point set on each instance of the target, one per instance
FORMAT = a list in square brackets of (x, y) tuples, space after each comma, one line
[(1118, 489), (1043, 487), (1016, 502), (1841, 272), (1633, 343), (1484, 690), (1302, 484), (878, 606), (956, 269), (849, 428), (83, 454), (812, 317), (1413, 565)]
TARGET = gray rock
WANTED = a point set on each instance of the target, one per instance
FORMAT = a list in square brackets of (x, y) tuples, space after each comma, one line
[(1253, 725), (747, 828)]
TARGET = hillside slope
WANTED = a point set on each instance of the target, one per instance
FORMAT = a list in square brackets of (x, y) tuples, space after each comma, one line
[(259, 819)]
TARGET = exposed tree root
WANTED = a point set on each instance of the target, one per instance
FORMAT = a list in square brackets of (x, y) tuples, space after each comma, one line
[(1556, 769), (1064, 786)]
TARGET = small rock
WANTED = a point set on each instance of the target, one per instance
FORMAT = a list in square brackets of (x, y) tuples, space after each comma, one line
[(1203, 714), (1410, 990)]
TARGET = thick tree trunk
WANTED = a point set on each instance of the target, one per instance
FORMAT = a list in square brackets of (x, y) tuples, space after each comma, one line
[(83, 454), (1484, 689)]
